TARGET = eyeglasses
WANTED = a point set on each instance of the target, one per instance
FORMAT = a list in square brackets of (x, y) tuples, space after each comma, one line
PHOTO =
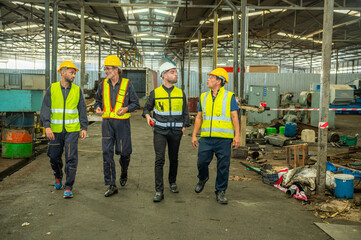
[(108, 68)]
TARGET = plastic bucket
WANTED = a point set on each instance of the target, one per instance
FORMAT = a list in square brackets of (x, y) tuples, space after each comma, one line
[(282, 130), (290, 129), (271, 130), (344, 185)]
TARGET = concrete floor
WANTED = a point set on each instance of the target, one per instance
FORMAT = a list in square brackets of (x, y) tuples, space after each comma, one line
[(255, 210)]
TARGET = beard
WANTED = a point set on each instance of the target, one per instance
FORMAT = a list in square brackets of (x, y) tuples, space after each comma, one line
[(172, 81), (68, 80)]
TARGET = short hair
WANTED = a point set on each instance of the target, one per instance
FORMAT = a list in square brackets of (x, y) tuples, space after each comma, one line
[(222, 80)]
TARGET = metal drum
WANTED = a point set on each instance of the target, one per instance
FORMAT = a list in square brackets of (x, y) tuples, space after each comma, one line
[(17, 143)]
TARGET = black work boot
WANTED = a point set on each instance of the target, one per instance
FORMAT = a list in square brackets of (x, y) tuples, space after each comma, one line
[(174, 188), (158, 197), (111, 190), (123, 178), (200, 185), (221, 197)]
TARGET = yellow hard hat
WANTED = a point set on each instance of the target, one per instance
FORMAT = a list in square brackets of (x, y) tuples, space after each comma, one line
[(112, 60), (221, 73), (67, 64)]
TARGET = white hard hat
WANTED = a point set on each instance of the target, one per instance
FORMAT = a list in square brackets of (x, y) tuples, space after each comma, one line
[(166, 67)]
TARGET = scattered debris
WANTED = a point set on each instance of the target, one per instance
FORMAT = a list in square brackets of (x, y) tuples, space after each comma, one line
[(25, 224)]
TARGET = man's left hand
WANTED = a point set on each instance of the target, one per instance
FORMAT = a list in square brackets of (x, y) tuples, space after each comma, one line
[(122, 111), (83, 134), (183, 130)]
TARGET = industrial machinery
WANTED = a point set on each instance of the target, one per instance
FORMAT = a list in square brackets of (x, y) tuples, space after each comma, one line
[(21, 96), (263, 94)]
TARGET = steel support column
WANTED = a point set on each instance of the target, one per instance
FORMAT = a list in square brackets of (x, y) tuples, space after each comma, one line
[(325, 95), (100, 55), (82, 48), (182, 66), (215, 38), (200, 62), (243, 46), (189, 66), (47, 45), (235, 52), (336, 66), (54, 54)]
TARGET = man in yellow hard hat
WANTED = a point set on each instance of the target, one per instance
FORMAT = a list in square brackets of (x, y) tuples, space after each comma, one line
[(170, 112), (115, 100), (63, 114), (218, 118)]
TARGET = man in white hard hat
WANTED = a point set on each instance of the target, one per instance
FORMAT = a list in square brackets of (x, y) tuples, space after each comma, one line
[(63, 114), (115, 100), (170, 117), (218, 118)]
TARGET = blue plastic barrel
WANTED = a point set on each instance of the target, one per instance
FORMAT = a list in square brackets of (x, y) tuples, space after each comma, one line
[(290, 129), (344, 186)]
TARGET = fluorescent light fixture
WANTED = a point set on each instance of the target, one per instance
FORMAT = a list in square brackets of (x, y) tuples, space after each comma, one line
[(150, 39), (349, 12), (140, 34), (250, 14), (256, 45), (298, 37), (162, 35), (163, 12), (66, 13), (224, 36), (21, 27), (143, 10)]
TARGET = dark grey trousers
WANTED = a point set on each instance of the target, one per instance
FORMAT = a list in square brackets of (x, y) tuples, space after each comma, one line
[(69, 142)]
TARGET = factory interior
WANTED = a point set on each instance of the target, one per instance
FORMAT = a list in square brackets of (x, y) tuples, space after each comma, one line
[(294, 67)]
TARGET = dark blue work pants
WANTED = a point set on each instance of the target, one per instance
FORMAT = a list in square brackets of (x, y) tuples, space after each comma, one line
[(221, 147), (69, 142), (115, 134)]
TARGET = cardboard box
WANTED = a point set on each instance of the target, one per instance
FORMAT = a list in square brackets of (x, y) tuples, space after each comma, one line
[(263, 68)]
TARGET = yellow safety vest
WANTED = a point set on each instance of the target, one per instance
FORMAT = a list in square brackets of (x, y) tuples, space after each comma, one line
[(108, 111), (168, 108), (217, 120), (70, 113)]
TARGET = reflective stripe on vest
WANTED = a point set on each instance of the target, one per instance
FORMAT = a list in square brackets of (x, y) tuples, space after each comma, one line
[(168, 108), (68, 116), (109, 112), (217, 121)]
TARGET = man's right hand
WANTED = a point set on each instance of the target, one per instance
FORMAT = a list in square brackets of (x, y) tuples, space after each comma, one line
[(49, 134), (194, 142), (99, 111), (149, 119)]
